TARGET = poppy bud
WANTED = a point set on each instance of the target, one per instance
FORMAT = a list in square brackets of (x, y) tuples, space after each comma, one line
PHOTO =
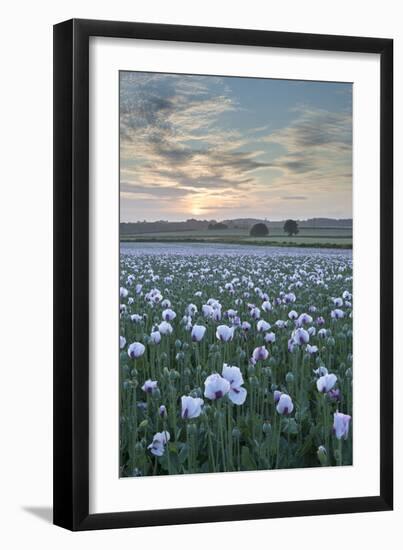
[(289, 378), (266, 428), (322, 455)]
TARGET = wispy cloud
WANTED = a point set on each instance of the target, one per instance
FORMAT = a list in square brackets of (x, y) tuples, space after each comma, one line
[(317, 149), (185, 148), (293, 198)]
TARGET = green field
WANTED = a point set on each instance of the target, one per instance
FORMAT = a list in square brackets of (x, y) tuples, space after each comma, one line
[(323, 237)]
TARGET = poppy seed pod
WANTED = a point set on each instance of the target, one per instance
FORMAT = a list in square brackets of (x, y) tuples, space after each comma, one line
[(266, 428), (289, 378)]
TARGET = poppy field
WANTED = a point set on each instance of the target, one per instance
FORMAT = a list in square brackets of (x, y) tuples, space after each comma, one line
[(234, 360)]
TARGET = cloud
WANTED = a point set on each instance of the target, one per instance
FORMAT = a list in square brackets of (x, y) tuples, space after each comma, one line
[(317, 148), (185, 148), (170, 128), (294, 198)]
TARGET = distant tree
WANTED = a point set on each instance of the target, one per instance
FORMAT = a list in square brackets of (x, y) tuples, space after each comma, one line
[(218, 225), (259, 230), (291, 227)]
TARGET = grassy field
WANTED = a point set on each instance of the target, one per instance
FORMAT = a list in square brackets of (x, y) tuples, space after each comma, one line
[(309, 237)]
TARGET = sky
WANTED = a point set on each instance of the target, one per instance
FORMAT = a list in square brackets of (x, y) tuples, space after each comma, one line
[(209, 147)]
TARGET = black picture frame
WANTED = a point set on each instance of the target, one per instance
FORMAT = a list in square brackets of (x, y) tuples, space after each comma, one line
[(71, 274)]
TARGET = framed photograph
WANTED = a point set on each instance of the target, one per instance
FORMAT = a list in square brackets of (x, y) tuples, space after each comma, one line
[(223, 307)]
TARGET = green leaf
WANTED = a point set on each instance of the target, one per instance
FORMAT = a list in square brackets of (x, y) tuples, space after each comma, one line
[(183, 454), (289, 426), (246, 459)]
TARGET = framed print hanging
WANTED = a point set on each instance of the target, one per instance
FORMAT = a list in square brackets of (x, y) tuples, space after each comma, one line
[(223, 308)]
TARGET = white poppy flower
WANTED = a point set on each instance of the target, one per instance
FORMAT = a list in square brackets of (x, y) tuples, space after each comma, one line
[(217, 314), (198, 332), (322, 333), (237, 393), (255, 313), (225, 333), (266, 306), (191, 309), (293, 315), (123, 292), (304, 319), (263, 326), (276, 396), (290, 298), (337, 314), (168, 315), (269, 337), (136, 318), (160, 439), (311, 349), (207, 310), (280, 324), (135, 350), (300, 336), (326, 383), (285, 404), (321, 371), (341, 424), (155, 337), (260, 353), (215, 386), (165, 328), (122, 342), (191, 406), (149, 386)]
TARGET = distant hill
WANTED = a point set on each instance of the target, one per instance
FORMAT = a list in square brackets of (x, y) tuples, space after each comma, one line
[(140, 227)]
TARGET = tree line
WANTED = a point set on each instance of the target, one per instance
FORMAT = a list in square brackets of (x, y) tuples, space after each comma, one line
[(261, 230)]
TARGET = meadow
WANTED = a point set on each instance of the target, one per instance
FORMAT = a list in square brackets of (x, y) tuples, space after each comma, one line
[(317, 237), (234, 359)]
